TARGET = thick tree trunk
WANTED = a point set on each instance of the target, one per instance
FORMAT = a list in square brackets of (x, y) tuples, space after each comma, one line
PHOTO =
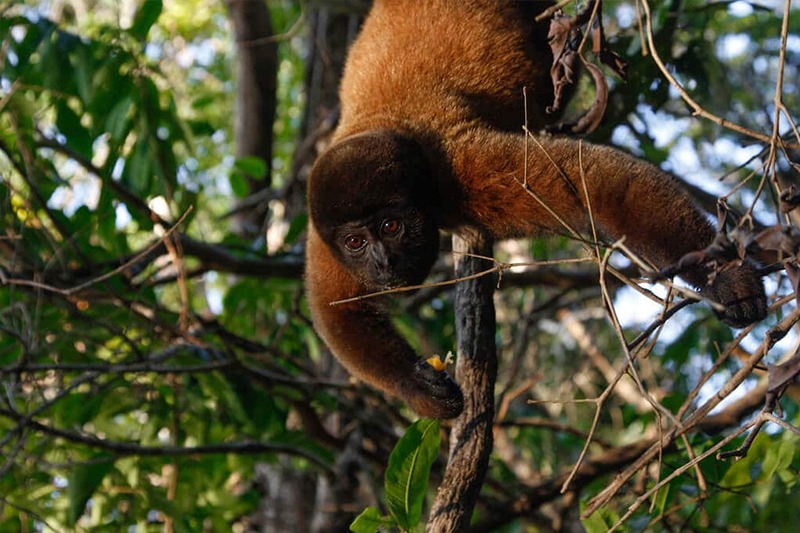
[(256, 100), (476, 370)]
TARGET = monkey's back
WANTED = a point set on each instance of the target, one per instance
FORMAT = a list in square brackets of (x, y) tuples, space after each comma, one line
[(435, 65)]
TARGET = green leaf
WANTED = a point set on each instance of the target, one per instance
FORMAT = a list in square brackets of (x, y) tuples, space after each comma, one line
[(595, 523), (138, 169), (145, 18), (77, 409), (370, 521), (77, 136), (48, 65), (296, 228), (117, 119), (747, 469), (204, 101), (83, 481), (409, 467), (662, 498), (239, 184), (252, 167), (83, 64), (778, 458)]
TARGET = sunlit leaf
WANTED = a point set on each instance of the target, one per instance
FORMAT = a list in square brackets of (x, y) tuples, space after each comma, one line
[(778, 458), (595, 523)]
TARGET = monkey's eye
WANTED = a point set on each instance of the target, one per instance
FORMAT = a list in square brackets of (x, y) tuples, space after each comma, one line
[(391, 227), (354, 243)]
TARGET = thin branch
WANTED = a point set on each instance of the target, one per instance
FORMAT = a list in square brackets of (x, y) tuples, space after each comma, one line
[(536, 494), (131, 449), (677, 472), (499, 268)]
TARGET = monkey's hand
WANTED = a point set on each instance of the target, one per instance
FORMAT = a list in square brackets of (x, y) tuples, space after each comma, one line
[(432, 392), (741, 293)]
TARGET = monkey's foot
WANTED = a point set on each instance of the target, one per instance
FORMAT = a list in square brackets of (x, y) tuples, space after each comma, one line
[(433, 393), (741, 293)]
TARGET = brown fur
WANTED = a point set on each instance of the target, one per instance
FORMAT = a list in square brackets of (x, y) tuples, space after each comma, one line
[(449, 75)]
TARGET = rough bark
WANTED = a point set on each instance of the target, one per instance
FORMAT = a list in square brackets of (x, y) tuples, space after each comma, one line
[(476, 369), (256, 100)]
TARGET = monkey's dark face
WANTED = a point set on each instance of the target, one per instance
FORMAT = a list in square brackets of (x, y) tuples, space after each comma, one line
[(392, 248), (374, 202)]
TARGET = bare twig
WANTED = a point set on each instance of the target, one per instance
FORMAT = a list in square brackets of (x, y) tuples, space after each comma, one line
[(611, 460), (677, 472), (498, 268)]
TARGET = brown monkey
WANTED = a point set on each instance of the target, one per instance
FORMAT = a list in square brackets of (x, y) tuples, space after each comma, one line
[(430, 138)]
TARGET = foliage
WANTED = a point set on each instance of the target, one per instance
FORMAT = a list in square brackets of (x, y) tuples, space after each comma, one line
[(125, 380), (406, 480), (151, 358)]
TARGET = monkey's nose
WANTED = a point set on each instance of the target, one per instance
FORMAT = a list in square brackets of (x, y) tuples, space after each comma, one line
[(380, 258)]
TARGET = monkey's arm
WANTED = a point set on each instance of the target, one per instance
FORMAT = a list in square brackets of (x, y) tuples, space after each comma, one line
[(363, 339), (572, 184)]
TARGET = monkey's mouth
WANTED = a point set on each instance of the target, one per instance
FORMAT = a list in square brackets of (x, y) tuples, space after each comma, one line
[(400, 282), (391, 280), (402, 287), (394, 285), (386, 283)]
